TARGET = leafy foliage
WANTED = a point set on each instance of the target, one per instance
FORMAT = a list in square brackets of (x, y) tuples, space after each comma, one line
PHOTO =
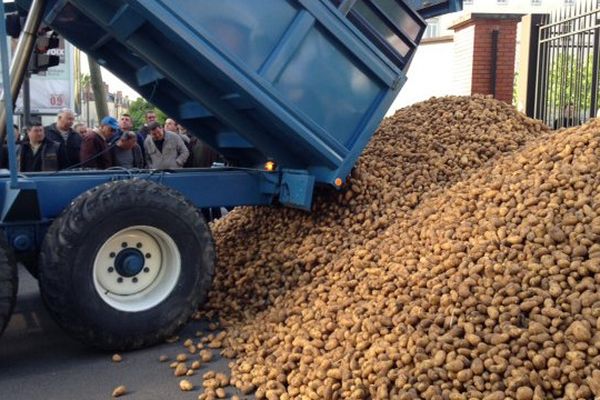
[(570, 81), (137, 110)]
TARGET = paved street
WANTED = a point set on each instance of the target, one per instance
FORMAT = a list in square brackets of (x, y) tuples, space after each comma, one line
[(38, 361)]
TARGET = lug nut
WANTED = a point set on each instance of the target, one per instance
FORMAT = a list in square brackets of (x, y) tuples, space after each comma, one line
[(124, 245), (120, 280), (139, 245), (146, 270), (111, 269)]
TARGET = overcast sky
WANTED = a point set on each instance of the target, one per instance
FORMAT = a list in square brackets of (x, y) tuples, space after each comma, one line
[(114, 83)]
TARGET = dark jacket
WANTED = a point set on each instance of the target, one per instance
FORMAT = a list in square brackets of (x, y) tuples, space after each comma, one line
[(71, 148), (47, 158), (4, 163), (95, 153), (141, 137)]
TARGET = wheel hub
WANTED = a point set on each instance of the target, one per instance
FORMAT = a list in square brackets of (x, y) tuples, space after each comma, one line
[(129, 262), (136, 268)]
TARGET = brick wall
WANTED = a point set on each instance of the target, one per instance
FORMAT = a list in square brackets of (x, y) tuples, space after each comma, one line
[(483, 26)]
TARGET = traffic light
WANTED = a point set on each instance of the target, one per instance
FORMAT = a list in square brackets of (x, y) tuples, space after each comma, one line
[(40, 60)]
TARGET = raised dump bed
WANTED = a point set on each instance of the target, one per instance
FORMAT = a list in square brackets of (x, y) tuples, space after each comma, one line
[(303, 83)]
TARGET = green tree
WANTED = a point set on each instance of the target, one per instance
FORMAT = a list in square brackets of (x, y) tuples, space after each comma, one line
[(137, 110), (570, 81)]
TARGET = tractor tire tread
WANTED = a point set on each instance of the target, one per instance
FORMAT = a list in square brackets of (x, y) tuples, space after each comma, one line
[(8, 283), (75, 221)]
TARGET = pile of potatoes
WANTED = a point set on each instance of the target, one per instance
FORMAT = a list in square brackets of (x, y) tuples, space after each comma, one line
[(460, 262)]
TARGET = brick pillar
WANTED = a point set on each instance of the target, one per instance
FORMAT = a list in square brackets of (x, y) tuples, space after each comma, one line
[(474, 44)]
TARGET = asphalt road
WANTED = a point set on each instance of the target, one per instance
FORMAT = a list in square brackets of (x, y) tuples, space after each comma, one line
[(39, 361)]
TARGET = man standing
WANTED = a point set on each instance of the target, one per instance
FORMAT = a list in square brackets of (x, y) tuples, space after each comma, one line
[(127, 153), (95, 151), (61, 132), (150, 118), (126, 125), (171, 125), (125, 122), (164, 150), (38, 153)]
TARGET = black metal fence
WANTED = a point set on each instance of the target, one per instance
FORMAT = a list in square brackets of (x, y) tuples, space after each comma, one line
[(568, 65)]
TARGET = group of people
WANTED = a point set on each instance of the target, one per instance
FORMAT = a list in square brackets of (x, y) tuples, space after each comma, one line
[(66, 145)]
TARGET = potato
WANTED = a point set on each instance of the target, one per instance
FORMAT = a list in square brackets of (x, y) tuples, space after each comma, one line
[(180, 370), (119, 391), (185, 385)]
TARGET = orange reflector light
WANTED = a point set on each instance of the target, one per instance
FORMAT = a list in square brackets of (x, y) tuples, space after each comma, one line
[(270, 166), (338, 182)]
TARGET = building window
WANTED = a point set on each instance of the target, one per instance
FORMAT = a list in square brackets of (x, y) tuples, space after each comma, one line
[(502, 2), (536, 2), (433, 28), (569, 2), (468, 2)]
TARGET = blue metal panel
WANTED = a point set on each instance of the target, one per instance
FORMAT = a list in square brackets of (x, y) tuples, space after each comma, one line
[(348, 87), (296, 189), (242, 28)]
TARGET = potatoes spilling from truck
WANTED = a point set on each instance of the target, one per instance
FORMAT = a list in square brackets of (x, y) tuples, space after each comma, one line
[(461, 261)]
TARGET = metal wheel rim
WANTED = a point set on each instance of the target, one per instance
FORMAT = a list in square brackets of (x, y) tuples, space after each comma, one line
[(123, 289)]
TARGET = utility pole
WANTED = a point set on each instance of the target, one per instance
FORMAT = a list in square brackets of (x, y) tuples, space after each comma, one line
[(98, 88)]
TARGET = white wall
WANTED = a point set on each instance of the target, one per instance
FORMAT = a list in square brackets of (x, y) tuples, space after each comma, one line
[(463, 61), (430, 74)]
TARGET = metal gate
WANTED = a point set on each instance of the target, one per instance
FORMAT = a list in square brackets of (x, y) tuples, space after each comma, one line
[(567, 65)]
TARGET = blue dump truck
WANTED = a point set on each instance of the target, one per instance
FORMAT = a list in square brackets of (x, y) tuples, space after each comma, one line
[(289, 91)]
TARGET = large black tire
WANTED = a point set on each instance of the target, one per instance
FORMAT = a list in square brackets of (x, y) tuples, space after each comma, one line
[(8, 283), (70, 272)]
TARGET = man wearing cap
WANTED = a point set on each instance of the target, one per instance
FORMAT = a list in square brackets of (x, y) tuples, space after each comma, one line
[(164, 150), (95, 149), (62, 133)]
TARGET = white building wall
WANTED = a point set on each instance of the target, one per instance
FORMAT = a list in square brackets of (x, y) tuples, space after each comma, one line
[(463, 61), (422, 85)]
